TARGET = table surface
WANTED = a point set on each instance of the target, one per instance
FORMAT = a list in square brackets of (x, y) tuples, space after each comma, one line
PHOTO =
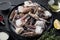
[(16, 2)]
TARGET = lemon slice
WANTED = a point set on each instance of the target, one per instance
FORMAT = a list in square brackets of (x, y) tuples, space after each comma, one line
[(57, 24), (55, 7)]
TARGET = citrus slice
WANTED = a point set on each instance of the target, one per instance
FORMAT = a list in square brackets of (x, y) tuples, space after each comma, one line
[(55, 7), (57, 24)]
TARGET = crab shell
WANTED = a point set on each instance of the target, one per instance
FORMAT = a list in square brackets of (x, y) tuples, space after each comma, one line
[(47, 14), (19, 30), (18, 22), (39, 27), (40, 23), (38, 30)]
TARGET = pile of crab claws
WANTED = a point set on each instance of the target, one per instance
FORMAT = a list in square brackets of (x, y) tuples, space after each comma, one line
[(29, 18)]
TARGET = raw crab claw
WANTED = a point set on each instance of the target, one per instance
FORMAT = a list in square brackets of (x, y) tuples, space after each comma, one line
[(19, 30), (40, 23), (47, 13), (18, 22), (27, 3), (33, 15), (43, 20), (39, 27), (20, 8), (28, 34), (21, 21), (38, 30), (24, 9)]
